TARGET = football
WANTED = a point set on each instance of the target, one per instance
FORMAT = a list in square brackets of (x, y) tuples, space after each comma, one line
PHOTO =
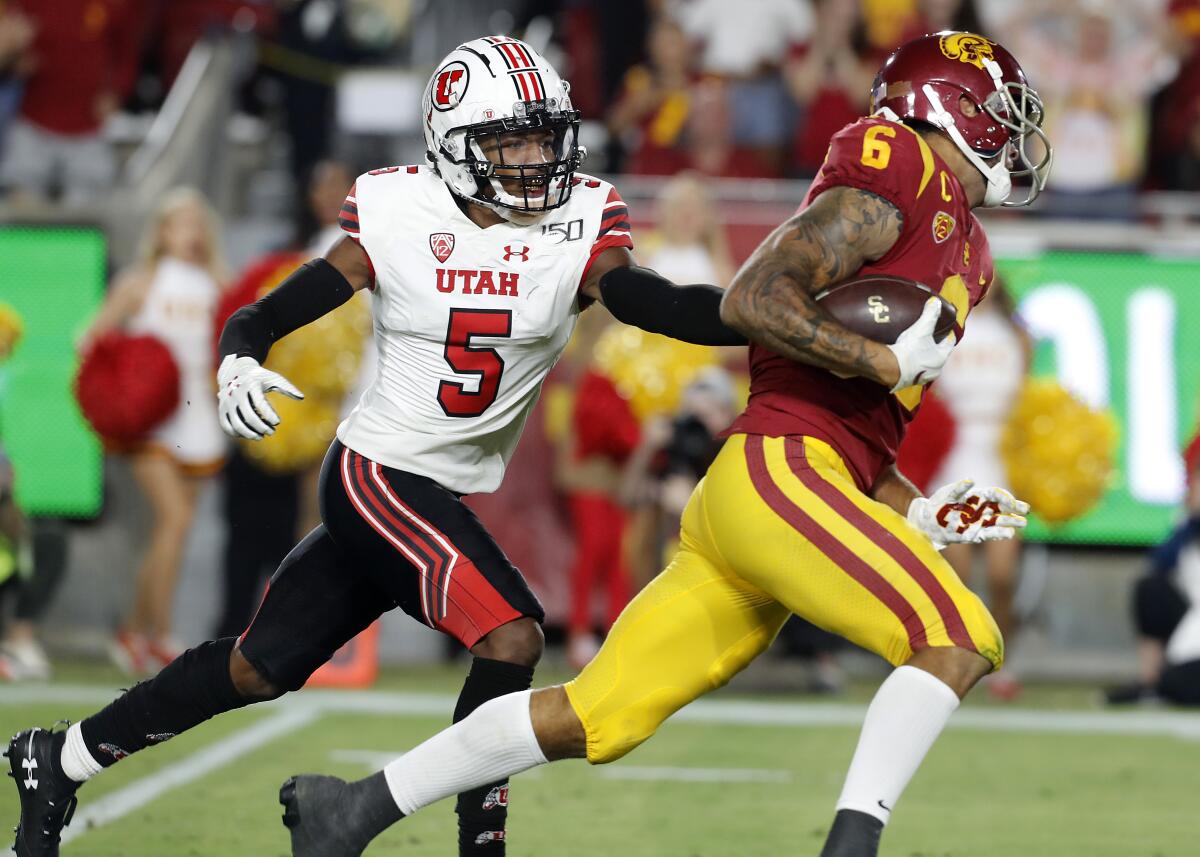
[(880, 306)]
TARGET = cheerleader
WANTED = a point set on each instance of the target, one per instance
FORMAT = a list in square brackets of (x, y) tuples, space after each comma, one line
[(171, 294)]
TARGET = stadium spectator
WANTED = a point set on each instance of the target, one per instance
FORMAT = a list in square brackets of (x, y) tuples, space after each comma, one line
[(1095, 64), (713, 150), (81, 66), (650, 116), (744, 45), (1175, 141), (689, 245), (265, 512), (603, 433), (16, 35), (1166, 609), (979, 386), (933, 16), (170, 294), (830, 79)]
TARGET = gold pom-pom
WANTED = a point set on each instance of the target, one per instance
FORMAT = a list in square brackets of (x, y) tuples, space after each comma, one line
[(1059, 452), (322, 358), (650, 370), (11, 329), (305, 431)]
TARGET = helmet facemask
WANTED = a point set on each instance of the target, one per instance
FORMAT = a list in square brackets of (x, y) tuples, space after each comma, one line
[(519, 192), (1017, 108)]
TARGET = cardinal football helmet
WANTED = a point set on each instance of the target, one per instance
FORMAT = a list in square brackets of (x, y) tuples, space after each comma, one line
[(924, 80), (489, 87)]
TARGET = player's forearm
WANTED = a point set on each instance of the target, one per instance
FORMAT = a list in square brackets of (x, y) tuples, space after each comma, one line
[(645, 299), (312, 291), (893, 488), (771, 307), (771, 298)]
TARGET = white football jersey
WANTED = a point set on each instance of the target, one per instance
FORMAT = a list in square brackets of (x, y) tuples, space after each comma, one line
[(468, 321)]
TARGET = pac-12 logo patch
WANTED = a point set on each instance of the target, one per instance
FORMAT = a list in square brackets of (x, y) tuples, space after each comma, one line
[(442, 245), (943, 225), (449, 86)]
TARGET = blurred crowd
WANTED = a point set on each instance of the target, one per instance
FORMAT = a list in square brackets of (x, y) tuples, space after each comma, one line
[(751, 89), (755, 89)]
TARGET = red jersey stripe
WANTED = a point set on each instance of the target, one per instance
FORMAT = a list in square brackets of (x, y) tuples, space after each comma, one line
[(956, 628), (826, 543)]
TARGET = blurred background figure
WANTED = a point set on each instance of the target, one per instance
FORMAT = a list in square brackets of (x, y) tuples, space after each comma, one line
[(649, 120), (16, 35), (1166, 610), (829, 78), (603, 433), (77, 70), (1096, 64), (170, 294), (743, 45), (978, 386), (267, 512), (689, 244)]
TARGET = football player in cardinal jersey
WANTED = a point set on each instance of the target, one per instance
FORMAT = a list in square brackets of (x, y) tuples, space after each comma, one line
[(803, 510), (479, 262)]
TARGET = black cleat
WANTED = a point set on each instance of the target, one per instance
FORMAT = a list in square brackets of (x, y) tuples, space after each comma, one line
[(47, 798), (314, 812)]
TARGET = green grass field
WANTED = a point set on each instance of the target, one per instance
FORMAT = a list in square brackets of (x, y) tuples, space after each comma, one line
[(745, 775)]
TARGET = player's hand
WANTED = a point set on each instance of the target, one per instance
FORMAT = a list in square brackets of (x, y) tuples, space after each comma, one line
[(918, 355), (960, 512), (242, 406)]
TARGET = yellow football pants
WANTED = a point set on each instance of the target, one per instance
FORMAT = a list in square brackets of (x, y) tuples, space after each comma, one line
[(776, 527)]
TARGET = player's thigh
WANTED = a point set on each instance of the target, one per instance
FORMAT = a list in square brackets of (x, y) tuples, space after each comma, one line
[(423, 545), (687, 632), (785, 515), (315, 602)]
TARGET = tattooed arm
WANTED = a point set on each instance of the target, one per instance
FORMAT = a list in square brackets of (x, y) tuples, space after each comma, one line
[(771, 298)]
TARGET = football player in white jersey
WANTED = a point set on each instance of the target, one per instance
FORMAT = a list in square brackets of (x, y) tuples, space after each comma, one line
[(479, 262)]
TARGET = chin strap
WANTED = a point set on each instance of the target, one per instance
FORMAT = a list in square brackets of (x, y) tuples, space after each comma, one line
[(999, 182)]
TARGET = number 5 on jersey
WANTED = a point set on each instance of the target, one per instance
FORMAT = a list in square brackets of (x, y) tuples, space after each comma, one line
[(467, 359)]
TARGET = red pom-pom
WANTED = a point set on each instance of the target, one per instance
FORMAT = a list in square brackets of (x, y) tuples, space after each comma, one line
[(927, 443), (126, 386), (258, 279)]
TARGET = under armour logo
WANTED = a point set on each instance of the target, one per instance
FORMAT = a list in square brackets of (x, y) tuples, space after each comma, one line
[(520, 251), (490, 836), (30, 765)]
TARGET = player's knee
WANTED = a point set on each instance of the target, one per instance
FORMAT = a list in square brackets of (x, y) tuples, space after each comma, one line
[(249, 682), (519, 642)]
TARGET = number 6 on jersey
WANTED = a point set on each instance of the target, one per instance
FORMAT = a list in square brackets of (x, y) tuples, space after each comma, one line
[(468, 359)]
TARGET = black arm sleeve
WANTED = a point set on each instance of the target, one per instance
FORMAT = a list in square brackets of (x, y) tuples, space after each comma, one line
[(313, 290), (643, 298)]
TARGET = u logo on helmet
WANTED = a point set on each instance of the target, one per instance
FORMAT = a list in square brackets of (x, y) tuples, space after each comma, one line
[(449, 86), (968, 48)]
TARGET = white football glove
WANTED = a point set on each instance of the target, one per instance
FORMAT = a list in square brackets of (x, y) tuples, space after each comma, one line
[(920, 357), (242, 406), (959, 512)]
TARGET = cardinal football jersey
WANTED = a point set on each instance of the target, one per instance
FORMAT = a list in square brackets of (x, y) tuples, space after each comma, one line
[(941, 244), (468, 321)]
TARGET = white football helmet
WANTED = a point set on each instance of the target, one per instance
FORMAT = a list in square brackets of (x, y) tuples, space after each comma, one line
[(492, 86)]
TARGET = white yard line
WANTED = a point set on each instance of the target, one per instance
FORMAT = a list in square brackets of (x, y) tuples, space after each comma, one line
[(295, 712), (112, 806), (695, 775)]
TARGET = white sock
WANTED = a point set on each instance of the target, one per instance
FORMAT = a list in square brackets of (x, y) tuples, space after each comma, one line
[(906, 716), (493, 743), (77, 763)]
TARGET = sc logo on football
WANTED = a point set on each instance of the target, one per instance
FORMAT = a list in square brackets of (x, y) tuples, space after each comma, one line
[(449, 86)]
